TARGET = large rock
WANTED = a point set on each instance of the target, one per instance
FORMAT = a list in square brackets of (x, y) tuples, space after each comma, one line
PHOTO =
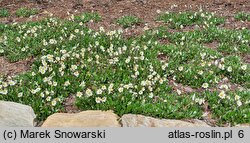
[(243, 125), (16, 115), (130, 120), (83, 119)]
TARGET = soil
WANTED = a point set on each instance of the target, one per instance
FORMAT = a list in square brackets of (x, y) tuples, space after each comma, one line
[(110, 10), (246, 59), (70, 106), (7, 68), (212, 45)]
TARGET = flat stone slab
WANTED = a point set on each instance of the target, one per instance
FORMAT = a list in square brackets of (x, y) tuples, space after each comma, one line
[(130, 120), (83, 119), (16, 115), (243, 125)]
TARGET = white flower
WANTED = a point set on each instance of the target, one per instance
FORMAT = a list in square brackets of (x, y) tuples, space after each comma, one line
[(163, 67), (23, 49), (193, 97), (201, 101), (43, 69), (96, 43), (45, 43), (178, 92), (89, 92), (110, 88), (18, 39), (104, 99), (52, 41), (104, 87), (33, 73), (229, 69), (140, 92), (20, 94), (222, 94), (5, 84), (11, 82), (98, 100), (203, 64), (82, 84), (222, 60), (53, 103), (161, 81), (99, 91), (76, 73), (127, 60), (46, 92), (137, 73), (48, 98), (183, 38), (180, 68), (205, 85), (244, 67), (150, 88), (33, 91), (67, 83), (50, 82), (174, 77), (237, 97), (126, 86), (120, 89), (224, 86), (42, 94), (76, 30), (73, 67), (50, 58), (151, 95), (54, 83), (158, 11), (239, 103), (79, 94), (143, 83), (135, 67), (101, 29), (200, 72), (221, 66), (4, 92)]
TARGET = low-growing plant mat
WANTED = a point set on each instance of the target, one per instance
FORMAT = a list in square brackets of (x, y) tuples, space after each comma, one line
[(165, 72)]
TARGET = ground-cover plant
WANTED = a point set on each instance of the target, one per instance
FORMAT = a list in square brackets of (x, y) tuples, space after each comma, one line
[(26, 12), (242, 16), (34, 36), (100, 67), (183, 19), (203, 63), (230, 106), (236, 70), (4, 12), (128, 21), (87, 16)]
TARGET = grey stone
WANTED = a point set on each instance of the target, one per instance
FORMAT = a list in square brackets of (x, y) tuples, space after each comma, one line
[(130, 120), (16, 115)]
